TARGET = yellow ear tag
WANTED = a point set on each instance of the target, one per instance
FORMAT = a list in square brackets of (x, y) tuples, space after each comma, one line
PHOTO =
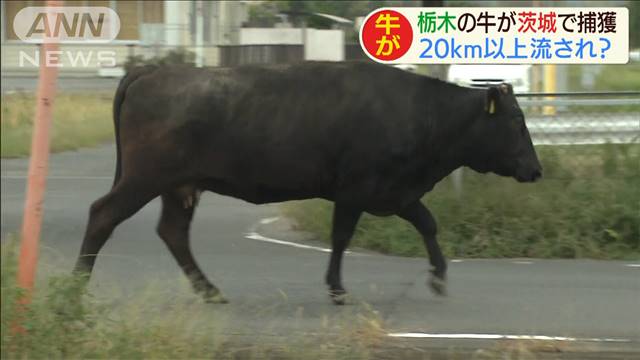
[(492, 107)]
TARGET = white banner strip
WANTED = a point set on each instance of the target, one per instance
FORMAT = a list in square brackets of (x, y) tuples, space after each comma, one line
[(497, 35)]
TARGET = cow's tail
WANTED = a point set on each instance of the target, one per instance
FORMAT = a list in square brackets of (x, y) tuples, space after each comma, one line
[(125, 82)]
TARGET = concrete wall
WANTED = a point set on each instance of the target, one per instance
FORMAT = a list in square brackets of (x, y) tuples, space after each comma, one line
[(318, 44), (271, 36), (324, 45), (226, 20), (176, 22)]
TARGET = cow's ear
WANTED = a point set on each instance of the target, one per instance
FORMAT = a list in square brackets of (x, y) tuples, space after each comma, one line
[(506, 89), (493, 96)]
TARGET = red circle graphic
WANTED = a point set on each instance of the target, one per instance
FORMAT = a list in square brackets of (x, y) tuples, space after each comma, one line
[(386, 35)]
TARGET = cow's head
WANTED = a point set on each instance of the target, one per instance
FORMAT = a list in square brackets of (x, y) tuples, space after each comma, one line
[(505, 146)]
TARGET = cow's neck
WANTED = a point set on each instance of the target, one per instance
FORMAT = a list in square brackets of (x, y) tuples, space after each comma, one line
[(458, 108)]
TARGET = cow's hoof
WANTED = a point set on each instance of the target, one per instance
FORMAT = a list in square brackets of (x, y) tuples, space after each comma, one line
[(339, 297), (216, 298), (438, 285)]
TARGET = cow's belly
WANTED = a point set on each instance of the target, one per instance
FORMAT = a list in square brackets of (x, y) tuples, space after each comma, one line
[(375, 204), (268, 179), (260, 193)]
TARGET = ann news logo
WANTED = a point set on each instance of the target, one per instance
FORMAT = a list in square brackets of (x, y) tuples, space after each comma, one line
[(72, 24), (386, 35)]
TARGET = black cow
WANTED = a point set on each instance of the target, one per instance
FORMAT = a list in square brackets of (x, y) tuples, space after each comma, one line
[(368, 137)]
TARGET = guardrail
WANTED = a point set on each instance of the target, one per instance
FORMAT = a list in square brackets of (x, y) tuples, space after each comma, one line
[(581, 94), (577, 122), (600, 128), (580, 102)]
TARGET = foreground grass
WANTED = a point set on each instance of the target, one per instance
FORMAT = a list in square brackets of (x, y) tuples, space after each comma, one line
[(79, 120), (587, 206), (65, 322)]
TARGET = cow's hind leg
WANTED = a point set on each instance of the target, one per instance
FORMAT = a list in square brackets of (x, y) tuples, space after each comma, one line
[(420, 217), (344, 223), (124, 200), (178, 207)]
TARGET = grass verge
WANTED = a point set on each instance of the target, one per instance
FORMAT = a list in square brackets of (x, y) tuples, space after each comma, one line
[(65, 322), (587, 206), (79, 120)]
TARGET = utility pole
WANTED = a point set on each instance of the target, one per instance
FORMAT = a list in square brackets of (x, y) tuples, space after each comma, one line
[(199, 50), (38, 166)]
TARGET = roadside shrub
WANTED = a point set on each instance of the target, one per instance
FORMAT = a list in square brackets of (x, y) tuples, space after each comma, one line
[(173, 57)]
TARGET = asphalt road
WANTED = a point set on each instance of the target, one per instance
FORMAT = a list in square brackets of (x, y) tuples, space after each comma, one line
[(276, 289)]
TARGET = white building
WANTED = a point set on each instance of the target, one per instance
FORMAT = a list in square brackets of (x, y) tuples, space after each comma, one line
[(212, 30), (148, 28)]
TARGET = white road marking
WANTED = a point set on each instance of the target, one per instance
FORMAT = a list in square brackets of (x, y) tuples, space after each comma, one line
[(522, 262), (269, 220), (633, 265), (501, 337), (456, 260), (255, 236)]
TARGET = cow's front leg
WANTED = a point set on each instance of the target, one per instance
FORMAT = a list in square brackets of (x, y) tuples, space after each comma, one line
[(420, 217), (344, 223)]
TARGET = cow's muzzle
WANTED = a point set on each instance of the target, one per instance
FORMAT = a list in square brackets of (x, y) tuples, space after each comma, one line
[(531, 176)]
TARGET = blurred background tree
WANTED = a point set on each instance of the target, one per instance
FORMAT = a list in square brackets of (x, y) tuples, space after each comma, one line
[(267, 12)]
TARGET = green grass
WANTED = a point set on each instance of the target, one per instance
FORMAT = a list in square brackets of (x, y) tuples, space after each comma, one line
[(587, 206), (79, 120), (623, 77), (63, 321)]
